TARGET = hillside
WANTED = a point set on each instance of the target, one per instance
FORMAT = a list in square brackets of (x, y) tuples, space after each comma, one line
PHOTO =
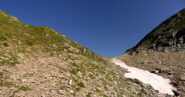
[(40, 62), (168, 36), (162, 51)]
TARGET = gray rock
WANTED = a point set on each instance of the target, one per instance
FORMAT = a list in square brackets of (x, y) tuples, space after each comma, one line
[(43, 95), (13, 77), (173, 42), (70, 82), (66, 44), (182, 78)]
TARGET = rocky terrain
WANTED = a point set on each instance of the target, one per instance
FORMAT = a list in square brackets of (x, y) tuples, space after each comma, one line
[(40, 62), (162, 52), (174, 42)]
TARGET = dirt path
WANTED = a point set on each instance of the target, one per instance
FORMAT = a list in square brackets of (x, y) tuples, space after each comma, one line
[(157, 82)]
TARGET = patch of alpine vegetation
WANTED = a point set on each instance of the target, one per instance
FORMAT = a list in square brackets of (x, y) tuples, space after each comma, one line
[(40, 62)]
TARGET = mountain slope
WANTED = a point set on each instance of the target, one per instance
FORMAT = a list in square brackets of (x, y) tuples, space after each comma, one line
[(162, 51), (40, 62), (163, 36)]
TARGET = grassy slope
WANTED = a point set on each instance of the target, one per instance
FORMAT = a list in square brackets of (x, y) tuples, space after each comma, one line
[(29, 53)]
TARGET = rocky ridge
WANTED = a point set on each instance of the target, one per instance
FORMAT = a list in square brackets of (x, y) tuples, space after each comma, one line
[(162, 51), (168, 36)]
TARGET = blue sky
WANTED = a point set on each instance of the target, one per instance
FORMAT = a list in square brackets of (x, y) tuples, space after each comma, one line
[(106, 27)]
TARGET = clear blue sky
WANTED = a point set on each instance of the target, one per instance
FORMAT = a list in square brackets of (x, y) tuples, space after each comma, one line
[(106, 27)]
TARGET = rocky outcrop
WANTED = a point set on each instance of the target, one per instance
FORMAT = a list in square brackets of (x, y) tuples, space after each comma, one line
[(167, 36), (172, 42)]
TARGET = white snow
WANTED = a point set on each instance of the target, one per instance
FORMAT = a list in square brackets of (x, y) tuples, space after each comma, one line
[(157, 82)]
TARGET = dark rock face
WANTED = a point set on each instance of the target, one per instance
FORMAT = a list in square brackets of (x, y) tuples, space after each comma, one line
[(172, 42), (167, 36)]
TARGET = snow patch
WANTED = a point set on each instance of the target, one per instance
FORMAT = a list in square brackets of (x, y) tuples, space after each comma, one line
[(157, 82)]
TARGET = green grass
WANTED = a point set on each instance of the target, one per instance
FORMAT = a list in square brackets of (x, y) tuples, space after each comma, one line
[(6, 84), (52, 54), (105, 95), (24, 88), (88, 95), (81, 84), (97, 90), (74, 65), (29, 42), (74, 71), (78, 89), (36, 36), (12, 61), (62, 87), (1, 73), (91, 76), (2, 38)]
